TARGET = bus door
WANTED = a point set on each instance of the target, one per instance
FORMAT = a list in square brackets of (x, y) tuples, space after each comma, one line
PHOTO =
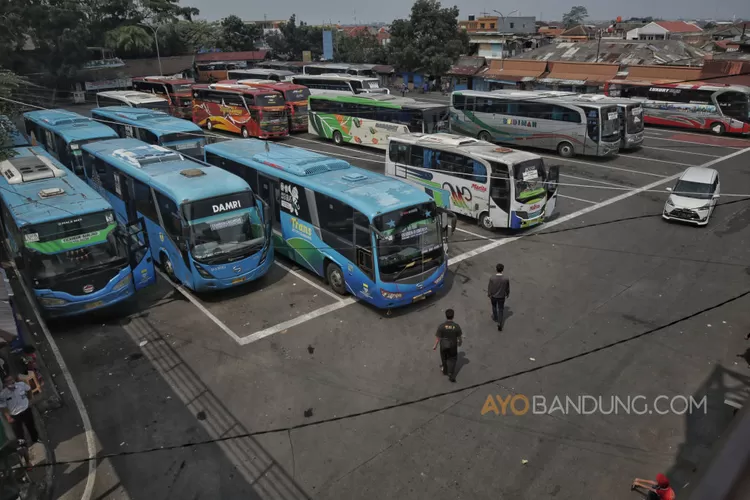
[(139, 253), (552, 186), (593, 128), (500, 196), (270, 193)]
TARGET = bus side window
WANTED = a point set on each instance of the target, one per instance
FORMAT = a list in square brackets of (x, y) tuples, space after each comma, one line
[(105, 174), (336, 224), (480, 172), (88, 165), (417, 157), (144, 202), (148, 136), (170, 216), (398, 153)]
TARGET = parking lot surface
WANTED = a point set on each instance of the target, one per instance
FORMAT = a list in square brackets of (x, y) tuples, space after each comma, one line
[(335, 399)]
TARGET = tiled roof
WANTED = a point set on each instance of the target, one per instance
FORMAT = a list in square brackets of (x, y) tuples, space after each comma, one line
[(679, 27)]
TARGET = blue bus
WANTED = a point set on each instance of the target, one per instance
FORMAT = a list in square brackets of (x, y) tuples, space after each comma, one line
[(62, 133), (207, 228), (374, 237), (64, 238), (154, 127), (11, 137)]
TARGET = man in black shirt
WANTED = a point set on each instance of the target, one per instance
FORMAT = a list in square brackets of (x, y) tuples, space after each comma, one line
[(449, 337), (498, 290)]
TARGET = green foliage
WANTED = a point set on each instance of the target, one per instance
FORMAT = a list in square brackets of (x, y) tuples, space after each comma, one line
[(295, 39), (430, 40), (359, 49), (130, 41), (575, 16), (237, 36), (9, 82)]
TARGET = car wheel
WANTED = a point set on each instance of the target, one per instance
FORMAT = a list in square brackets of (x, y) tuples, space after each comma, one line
[(335, 277), (565, 149), (718, 128), (484, 136), (485, 221), (337, 138)]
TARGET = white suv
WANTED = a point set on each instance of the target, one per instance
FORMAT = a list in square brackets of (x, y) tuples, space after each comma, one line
[(694, 196)]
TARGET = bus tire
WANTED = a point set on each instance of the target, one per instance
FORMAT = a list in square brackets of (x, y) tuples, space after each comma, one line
[(166, 264), (484, 136), (338, 139), (335, 277), (565, 149), (718, 128), (209, 125), (245, 133), (485, 220)]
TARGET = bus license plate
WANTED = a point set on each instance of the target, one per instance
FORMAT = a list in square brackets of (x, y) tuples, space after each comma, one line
[(237, 280), (94, 305), (534, 215), (420, 297), (189, 145)]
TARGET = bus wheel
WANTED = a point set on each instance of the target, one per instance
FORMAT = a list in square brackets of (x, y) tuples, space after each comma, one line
[(209, 125), (718, 128), (565, 149), (168, 268), (335, 277), (337, 138), (485, 220), (245, 133), (484, 136)]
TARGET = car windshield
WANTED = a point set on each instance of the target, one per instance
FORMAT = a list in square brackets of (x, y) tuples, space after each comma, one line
[(691, 189), (529, 178), (411, 242), (224, 229)]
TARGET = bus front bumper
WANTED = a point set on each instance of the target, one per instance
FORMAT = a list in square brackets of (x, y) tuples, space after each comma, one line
[(205, 285), (60, 305), (390, 295), (632, 141)]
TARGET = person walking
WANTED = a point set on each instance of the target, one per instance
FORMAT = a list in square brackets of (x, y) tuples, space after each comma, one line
[(449, 337), (498, 290), (14, 402)]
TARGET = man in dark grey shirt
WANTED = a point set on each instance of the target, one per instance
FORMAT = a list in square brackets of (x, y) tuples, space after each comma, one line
[(498, 290)]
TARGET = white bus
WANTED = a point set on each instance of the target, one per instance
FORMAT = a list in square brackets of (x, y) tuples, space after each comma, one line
[(132, 98), (498, 186), (340, 84), (369, 120), (527, 118), (276, 75)]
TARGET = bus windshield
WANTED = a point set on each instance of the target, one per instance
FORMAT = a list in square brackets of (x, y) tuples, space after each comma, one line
[(225, 228), (634, 118), (156, 106), (435, 120), (269, 100), (181, 87), (529, 177), (610, 123), (411, 242)]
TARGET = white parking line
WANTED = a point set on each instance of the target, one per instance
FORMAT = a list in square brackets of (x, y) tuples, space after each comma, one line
[(473, 234), (601, 165), (646, 158), (695, 143), (309, 282), (680, 151), (619, 186), (576, 199)]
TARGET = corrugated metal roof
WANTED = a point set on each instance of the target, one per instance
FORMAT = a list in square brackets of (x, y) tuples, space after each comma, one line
[(619, 52)]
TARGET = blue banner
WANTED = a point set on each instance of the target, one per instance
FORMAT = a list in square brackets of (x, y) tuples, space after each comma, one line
[(328, 45)]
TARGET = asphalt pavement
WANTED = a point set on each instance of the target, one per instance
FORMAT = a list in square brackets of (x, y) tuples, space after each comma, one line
[(335, 399)]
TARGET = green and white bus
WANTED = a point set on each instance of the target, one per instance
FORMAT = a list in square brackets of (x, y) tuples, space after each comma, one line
[(369, 120), (530, 119), (500, 187)]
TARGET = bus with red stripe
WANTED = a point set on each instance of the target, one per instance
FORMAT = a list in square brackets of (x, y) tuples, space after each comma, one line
[(295, 96), (178, 91), (719, 108), (251, 112)]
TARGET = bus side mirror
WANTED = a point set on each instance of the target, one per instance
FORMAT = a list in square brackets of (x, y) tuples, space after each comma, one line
[(553, 178), (669, 190)]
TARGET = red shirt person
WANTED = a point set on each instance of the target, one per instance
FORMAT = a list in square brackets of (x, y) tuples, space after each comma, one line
[(654, 490)]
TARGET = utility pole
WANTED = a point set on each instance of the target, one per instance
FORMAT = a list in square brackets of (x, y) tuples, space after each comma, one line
[(156, 41), (598, 45)]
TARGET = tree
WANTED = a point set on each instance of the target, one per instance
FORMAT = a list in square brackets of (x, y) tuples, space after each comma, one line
[(9, 82), (575, 16), (429, 40), (295, 39), (130, 41), (237, 36), (359, 48)]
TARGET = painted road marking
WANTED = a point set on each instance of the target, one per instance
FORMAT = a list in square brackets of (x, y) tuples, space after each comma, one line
[(680, 151), (473, 234), (328, 292), (601, 165), (618, 186), (574, 198), (680, 164), (694, 143)]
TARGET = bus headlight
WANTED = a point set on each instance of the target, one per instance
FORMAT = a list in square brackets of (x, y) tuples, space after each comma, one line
[(123, 282), (391, 295), (203, 272), (52, 301), (440, 278)]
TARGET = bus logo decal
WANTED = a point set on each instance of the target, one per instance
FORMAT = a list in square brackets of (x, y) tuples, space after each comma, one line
[(519, 122), (459, 197), (300, 228), (88, 288), (237, 269), (290, 198), (230, 205), (479, 188)]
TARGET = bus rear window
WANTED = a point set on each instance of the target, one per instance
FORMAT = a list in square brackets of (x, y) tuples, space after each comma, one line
[(297, 95), (269, 100)]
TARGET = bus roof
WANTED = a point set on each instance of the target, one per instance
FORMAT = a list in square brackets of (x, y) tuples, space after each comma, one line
[(132, 95), (264, 71), (37, 188), (383, 100), (164, 79), (178, 176), (571, 96), (157, 122), (13, 137), (685, 86), (271, 84), (466, 145), (69, 125), (236, 88), (369, 192), (334, 76)]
